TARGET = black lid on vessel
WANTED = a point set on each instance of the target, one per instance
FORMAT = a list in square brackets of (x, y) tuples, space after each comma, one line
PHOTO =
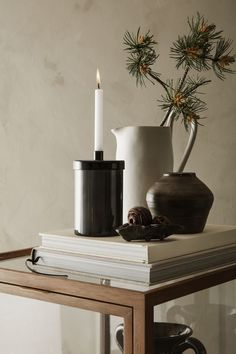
[(98, 165)]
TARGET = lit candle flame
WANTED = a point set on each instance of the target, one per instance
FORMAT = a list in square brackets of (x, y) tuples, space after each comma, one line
[(98, 79)]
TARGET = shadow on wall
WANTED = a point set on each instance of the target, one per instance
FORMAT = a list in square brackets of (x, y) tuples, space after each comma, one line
[(203, 320)]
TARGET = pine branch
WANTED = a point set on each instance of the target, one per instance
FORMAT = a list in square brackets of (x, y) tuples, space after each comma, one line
[(202, 49), (142, 56), (222, 58), (183, 79)]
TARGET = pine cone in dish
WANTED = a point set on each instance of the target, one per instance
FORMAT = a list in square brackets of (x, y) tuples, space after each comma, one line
[(139, 216)]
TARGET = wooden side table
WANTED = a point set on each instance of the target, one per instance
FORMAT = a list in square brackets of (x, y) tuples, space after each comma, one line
[(134, 303)]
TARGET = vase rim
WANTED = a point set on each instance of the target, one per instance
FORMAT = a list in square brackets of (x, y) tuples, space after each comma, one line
[(179, 330)]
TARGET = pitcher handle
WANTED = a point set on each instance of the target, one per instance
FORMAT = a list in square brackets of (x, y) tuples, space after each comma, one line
[(190, 343), (191, 139)]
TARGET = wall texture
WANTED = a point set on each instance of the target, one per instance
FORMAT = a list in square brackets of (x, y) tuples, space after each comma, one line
[(49, 53)]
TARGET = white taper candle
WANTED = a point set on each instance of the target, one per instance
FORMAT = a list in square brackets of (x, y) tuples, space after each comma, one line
[(98, 139)]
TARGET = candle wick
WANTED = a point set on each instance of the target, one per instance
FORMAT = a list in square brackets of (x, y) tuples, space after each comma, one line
[(98, 85)]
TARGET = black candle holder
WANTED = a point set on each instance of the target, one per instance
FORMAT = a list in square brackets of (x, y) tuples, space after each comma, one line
[(98, 197)]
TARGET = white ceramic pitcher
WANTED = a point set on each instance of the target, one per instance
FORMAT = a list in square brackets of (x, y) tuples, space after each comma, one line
[(148, 153)]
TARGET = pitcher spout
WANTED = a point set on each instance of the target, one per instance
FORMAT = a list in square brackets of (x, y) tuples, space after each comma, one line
[(116, 131)]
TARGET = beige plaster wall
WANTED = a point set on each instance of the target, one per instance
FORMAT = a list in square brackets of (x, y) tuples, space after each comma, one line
[(49, 52)]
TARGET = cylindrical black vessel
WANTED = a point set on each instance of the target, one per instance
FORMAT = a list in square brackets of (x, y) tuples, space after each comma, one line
[(183, 198), (98, 197)]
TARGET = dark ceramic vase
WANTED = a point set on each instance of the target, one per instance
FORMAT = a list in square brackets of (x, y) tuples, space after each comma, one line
[(169, 338), (183, 198)]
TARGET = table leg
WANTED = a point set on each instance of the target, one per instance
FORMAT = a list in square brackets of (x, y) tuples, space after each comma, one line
[(143, 328), (105, 345), (128, 333)]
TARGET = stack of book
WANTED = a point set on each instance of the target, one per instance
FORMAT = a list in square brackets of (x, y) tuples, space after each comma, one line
[(143, 262)]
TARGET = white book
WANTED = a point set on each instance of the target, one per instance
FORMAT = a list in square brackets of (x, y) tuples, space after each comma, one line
[(151, 273), (116, 247)]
